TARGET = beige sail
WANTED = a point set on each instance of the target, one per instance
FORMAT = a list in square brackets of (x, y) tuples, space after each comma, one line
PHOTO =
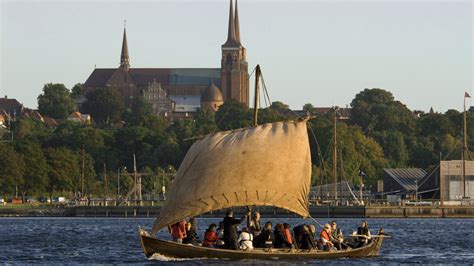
[(265, 165)]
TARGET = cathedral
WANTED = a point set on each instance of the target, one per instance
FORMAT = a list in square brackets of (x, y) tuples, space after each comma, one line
[(176, 93)]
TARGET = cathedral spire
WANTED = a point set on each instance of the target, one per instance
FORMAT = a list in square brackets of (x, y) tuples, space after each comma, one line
[(124, 58), (236, 23), (231, 40)]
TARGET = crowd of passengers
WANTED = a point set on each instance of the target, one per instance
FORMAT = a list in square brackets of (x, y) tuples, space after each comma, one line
[(303, 236)]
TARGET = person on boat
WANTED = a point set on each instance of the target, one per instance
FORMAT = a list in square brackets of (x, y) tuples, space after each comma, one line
[(287, 235), (191, 235), (230, 230), (245, 239), (298, 233), (210, 237), (363, 233), (325, 238), (178, 231), (220, 235), (336, 237), (307, 239), (253, 224), (280, 239), (267, 237)]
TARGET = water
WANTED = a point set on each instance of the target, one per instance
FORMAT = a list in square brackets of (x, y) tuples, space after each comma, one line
[(114, 241)]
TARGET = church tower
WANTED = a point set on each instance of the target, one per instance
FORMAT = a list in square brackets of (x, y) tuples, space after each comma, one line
[(234, 66)]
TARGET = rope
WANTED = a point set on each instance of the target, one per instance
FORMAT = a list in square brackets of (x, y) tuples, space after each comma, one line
[(314, 220)]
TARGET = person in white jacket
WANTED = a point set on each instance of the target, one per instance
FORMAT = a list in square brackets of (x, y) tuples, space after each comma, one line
[(245, 239)]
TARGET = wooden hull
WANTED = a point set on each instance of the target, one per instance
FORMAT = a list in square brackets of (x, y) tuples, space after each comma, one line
[(152, 245)]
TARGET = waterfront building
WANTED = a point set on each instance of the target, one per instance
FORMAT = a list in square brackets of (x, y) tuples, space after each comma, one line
[(451, 182), (400, 183), (176, 93)]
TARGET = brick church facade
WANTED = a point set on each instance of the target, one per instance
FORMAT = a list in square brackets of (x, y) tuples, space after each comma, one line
[(177, 93)]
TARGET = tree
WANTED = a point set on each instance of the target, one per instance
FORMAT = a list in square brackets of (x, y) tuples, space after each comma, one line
[(64, 171), (205, 121), (27, 129), (233, 115), (280, 107), (394, 147), (35, 169), (77, 91), (105, 105), (309, 108), (435, 124), (12, 168), (55, 101), (376, 110), (139, 112), (357, 150)]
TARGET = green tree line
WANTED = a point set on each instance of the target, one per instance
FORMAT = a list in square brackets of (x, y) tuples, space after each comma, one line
[(42, 161)]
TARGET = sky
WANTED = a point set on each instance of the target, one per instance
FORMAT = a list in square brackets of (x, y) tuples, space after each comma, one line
[(319, 52)]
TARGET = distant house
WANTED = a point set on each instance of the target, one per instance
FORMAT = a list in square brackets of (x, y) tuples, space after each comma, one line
[(35, 115), (2, 121), (11, 107), (50, 122), (344, 113), (77, 117), (404, 182)]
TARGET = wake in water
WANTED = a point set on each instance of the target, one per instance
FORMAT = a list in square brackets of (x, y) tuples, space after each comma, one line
[(160, 257)]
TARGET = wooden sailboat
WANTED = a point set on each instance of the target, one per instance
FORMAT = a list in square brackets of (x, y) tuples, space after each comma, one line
[(265, 165)]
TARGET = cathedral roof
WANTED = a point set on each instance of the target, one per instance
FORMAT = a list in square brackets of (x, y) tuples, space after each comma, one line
[(166, 76), (212, 94)]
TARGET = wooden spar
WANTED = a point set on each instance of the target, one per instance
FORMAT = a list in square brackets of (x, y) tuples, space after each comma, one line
[(255, 104), (464, 151), (334, 164)]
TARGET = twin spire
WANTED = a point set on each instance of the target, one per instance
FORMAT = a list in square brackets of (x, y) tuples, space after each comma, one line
[(124, 58), (233, 34)]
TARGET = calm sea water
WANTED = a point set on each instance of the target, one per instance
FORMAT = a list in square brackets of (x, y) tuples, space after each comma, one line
[(115, 241)]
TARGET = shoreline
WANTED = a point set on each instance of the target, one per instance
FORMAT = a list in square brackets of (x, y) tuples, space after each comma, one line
[(316, 211)]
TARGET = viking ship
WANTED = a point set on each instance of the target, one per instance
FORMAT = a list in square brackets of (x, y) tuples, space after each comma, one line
[(264, 165)]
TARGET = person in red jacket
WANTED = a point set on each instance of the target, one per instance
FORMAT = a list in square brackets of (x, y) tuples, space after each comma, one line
[(210, 237), (287, 235), (325, 238), (178, 231)]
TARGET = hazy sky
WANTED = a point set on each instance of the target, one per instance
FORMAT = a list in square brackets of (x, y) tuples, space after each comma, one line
[(322, 52)]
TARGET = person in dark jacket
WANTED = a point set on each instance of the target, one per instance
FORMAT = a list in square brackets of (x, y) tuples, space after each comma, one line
[(230, 230), (298, 233), (191, 235), (364, 232), (266, 237), (280, 240), (307, 239)]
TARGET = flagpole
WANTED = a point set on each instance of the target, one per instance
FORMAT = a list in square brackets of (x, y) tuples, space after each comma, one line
[(464, 149)]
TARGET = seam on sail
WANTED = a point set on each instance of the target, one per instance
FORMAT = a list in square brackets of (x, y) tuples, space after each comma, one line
[(223, 194)]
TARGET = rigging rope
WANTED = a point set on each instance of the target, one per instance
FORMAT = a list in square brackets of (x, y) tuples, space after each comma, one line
[(314, 220)]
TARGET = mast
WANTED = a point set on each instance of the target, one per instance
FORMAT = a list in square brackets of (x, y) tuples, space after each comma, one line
[(82, 173), (334, 159), (134, 177), (464, 148), (255, 105)]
